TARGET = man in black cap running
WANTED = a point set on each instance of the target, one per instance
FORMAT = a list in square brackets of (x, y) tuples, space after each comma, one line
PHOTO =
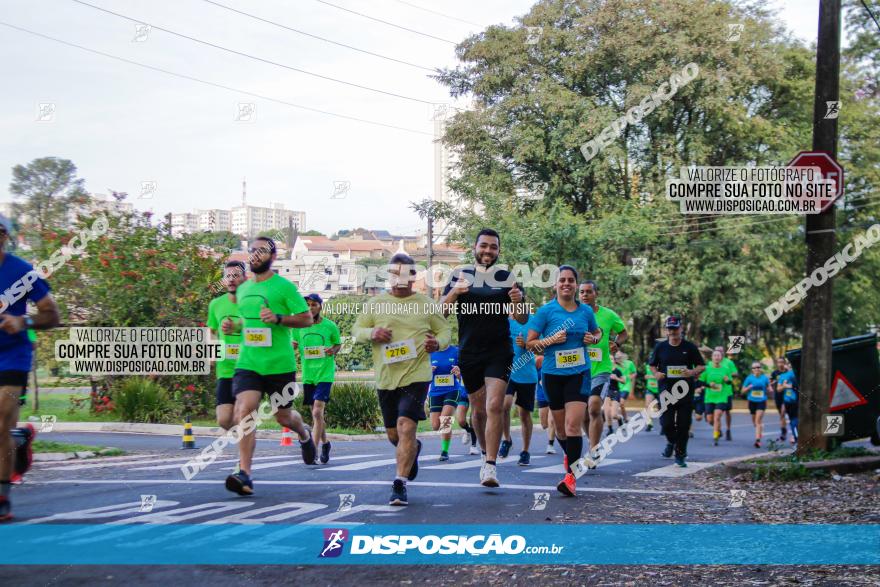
[(672, 360)]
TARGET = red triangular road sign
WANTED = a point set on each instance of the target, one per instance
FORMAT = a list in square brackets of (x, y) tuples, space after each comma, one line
[(844, 394)]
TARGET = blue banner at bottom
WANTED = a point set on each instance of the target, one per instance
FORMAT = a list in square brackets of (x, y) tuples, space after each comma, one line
[(651, 544)]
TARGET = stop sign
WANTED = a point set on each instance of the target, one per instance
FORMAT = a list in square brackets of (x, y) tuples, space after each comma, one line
[(829, 168)]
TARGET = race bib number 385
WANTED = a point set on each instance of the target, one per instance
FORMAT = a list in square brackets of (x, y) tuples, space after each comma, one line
[(570, 358), (395, 352), (258, 337)]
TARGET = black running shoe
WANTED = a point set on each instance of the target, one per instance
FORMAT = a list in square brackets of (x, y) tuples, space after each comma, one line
[(524, 459), (240, 483), (667, 452), (727, 435), (504, 449), (398, 493), (444, 456), (325, 453), (24, 455), (414, 470), (309, 451)]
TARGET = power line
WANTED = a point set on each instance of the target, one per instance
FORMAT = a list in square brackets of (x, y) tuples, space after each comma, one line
[(272, 22), (254, 57), (397, 26), (874, 18), (216, 85), (440, 14)]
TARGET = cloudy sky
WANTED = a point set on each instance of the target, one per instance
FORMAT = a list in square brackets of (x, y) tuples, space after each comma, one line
[(122, 124)]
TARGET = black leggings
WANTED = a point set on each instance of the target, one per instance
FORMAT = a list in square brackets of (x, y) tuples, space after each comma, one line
[(676, 422)]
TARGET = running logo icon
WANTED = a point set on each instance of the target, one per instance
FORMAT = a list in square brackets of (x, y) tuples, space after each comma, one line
[(147, 503), (541, 500), (736, 344), (833, 425), (736, 498), (445, 424), (734, 31), (47, 423), (346, 500), (832, 109), (334, 539), (638, 266)]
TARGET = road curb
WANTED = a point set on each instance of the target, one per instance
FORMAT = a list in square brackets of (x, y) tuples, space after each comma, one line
[(848, 465)]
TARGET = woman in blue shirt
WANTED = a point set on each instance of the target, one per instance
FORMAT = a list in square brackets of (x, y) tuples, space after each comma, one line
[(787, 385), (755, 389), (561, 329)]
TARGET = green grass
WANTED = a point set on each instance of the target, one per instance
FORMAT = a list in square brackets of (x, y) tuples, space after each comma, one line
[(42, 446), (791, 467), (59, 406)]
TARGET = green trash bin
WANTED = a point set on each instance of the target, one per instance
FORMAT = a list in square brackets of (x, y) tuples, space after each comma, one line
[(855, 385)]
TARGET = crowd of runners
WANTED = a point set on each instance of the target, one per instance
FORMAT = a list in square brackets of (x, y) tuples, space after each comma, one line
[(565, 357)]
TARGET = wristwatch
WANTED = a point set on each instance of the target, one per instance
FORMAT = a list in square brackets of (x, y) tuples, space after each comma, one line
[(278, 318), (28, 323)]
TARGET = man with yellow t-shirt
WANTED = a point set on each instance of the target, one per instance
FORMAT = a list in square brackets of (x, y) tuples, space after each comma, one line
[(403, 328)]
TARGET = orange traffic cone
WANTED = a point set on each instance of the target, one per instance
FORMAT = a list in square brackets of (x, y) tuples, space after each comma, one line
[(286, 437)]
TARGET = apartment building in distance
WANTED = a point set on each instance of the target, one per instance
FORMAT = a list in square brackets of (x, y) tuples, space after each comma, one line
[(245, 220)]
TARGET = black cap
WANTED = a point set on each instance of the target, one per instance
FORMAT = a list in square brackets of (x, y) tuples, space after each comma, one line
[(673, 322)]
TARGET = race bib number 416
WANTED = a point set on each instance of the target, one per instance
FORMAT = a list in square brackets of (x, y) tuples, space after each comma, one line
[(395, 352), (676, 371)]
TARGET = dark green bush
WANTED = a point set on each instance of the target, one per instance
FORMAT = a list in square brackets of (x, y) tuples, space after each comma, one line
[(353, 405), (137, 399)]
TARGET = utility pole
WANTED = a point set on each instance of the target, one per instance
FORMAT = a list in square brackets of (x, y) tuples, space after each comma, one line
[(431, 251), (820, 237)]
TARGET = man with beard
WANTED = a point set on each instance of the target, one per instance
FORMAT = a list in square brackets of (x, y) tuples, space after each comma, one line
[(19, 283), (403, 328), (318, 345), (270, 306), (222, 309), (483, 294)]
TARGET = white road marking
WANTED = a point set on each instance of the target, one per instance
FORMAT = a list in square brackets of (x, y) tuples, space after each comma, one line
[(336, 516), (299, 462), (473, 464), (674, 470), (373, 464), (107, 511), (558, 470), (356, 482), (218, 462)]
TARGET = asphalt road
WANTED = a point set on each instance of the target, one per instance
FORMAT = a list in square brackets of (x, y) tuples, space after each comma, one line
[(359, 471)]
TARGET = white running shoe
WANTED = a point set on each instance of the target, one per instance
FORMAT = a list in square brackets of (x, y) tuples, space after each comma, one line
[(550, 450), (474, 451), (488, 476)]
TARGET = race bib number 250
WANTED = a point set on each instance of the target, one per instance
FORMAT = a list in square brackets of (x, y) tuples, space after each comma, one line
[(258, 337)]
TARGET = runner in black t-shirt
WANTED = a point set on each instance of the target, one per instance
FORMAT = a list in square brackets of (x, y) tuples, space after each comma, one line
[(483, 294), (673, 360)]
